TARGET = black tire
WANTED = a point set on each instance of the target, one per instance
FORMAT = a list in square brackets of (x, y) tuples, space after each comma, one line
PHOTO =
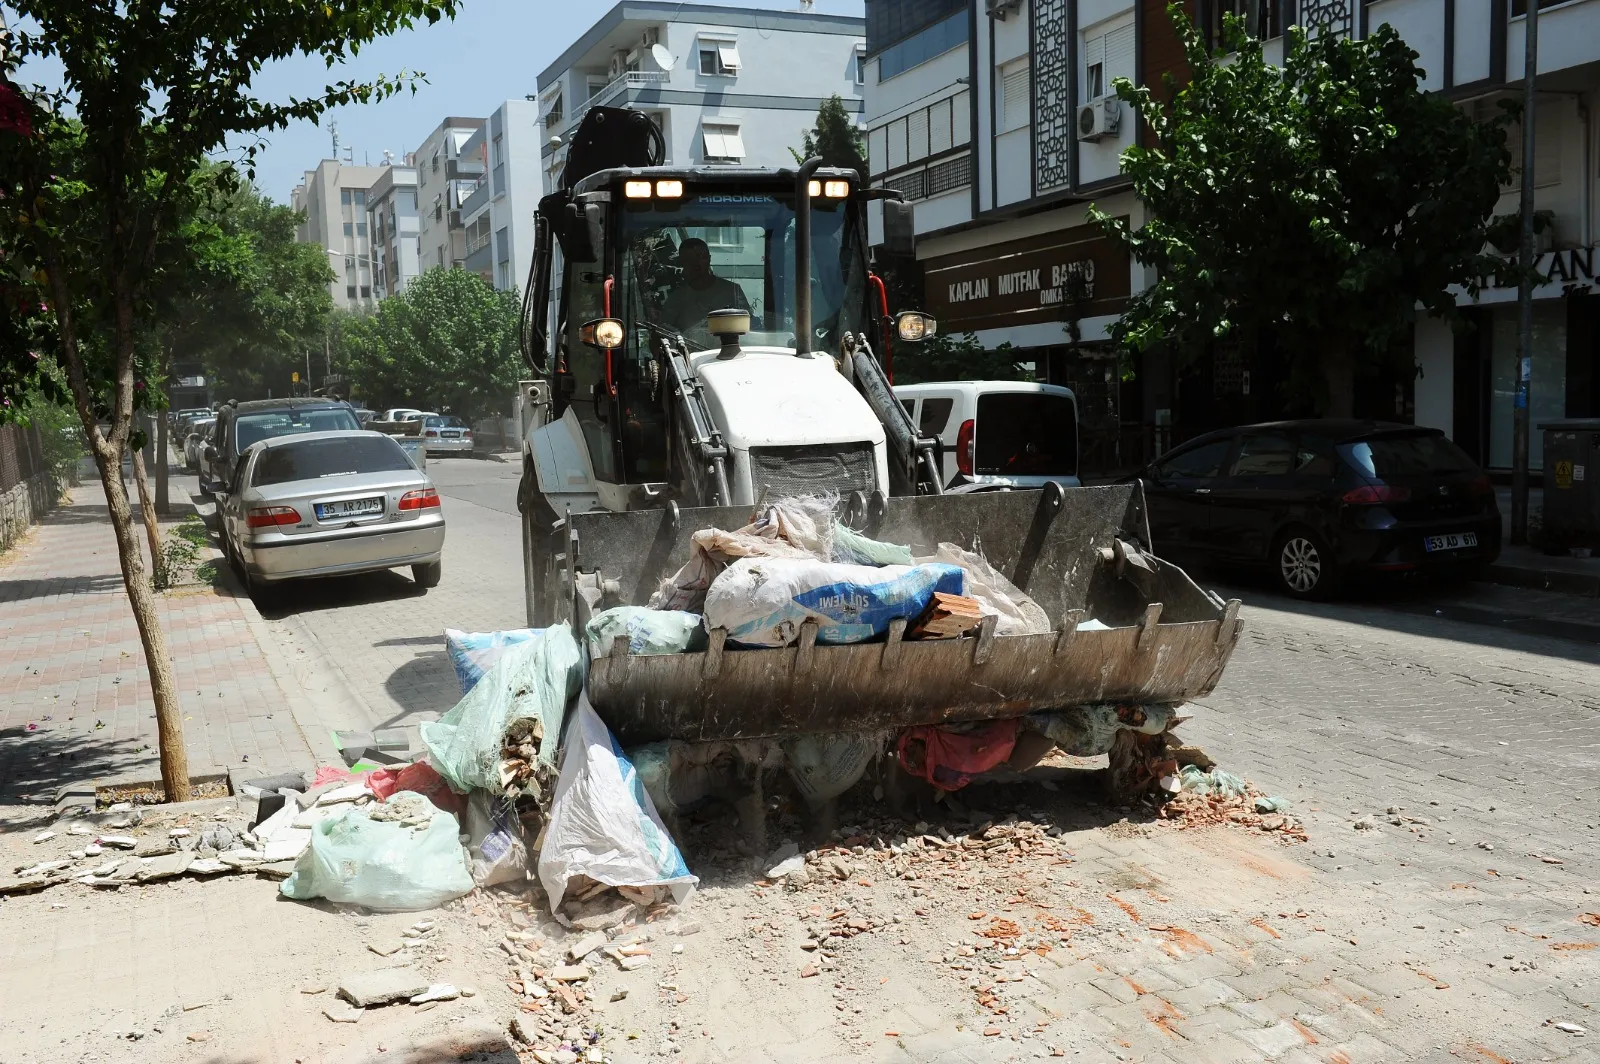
[(205, 492), (1303, 565), (427, 574)]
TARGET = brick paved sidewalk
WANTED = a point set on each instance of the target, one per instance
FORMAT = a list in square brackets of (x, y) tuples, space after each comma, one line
[(75, 699)]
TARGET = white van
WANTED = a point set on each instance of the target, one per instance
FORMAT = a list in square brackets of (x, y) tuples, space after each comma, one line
[(998, 434)]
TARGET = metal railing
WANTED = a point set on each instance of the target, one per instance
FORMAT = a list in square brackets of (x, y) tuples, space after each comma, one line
[(632, 79)]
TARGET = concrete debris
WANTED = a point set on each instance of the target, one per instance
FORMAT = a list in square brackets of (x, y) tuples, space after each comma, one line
[(586, 945), (1570, 1028), (165, 867), (179, 833), (207, 866), (631, 964), (121, 842), (385, 949), (44, 836), (382, 987), (569, 973), (151, 846), (339, 1012), (524, 1029), (436, 992)]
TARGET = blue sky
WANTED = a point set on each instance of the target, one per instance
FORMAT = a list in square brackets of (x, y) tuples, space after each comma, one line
[(492, 51)]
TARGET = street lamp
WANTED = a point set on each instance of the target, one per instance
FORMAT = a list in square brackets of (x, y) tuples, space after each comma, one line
[(1520, 412)]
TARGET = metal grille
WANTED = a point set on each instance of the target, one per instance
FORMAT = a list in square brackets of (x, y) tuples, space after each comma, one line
[(942, 177), (812, 470), (913, 184), (1052, 95)]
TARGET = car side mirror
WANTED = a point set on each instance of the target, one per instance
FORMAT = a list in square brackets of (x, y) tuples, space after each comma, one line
[(899, 227), (210, 453)]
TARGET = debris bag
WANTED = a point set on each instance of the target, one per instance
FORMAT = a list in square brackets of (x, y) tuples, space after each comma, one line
[(474, 653), (949, 757), (825, 766), (795, 527), (852, 548), (1085, 731), (420, 778), (533, 680), (647, 631), (1018, 614), (602, 822), (384, 865), (496, 851), (1216, 782), (762, 602)]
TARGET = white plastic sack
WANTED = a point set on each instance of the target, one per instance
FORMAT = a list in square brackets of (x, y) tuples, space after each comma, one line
[(532, 679), (763, 601), (496, 849), (602, 823), (1018, 614), (646, 631), (825, 766), (853, 548), (800, 527), (382, 865), (474, 653)]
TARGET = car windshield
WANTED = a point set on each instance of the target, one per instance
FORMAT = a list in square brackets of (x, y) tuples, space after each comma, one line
[(321, 459), (1422, 454), (687, 257), (253, 428), (443, 423), (1026, 434)]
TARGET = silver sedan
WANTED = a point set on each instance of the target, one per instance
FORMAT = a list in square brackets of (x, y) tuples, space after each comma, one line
[(444, 434), (327, 504)]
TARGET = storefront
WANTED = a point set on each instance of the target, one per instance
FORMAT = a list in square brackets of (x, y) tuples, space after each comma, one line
[(1468, 381)]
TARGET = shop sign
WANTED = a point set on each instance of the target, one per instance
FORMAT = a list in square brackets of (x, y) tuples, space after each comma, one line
[(1061, 276), (1569, 266)]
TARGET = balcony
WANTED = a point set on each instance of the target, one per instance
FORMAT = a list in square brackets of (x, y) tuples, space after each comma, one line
[(623, 83), (480, 260), (475, 202)]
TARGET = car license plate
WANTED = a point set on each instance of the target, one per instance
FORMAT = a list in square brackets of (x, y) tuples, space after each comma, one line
[(349, 508), (451, 435), (1451, 541)]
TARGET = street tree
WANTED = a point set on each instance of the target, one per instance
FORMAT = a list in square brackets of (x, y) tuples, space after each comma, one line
[(1318, 203), (97, 172), (949, 357), (834, 137), (448, 340)]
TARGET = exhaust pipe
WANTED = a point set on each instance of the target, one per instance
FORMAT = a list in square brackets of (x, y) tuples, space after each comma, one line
[(802, 256)]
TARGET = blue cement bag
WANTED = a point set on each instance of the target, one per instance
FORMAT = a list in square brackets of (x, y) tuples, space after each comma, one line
[(762, 602), (474, 653)]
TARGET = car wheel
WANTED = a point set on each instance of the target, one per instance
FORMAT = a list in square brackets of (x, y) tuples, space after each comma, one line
[(205, 492), (1303, 565), (427, 574)]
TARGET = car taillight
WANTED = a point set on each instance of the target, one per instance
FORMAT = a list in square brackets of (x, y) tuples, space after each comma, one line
[(964, 447), (431, 432), (419, 500), (466, 434), (1480, 486), (272, 516), (1377, 493)]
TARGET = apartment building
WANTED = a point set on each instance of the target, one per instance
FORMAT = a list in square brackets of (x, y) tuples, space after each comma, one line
[(394, 228), (445, 178), (725, 85), (497, 216), (997, 118), (333, 200)]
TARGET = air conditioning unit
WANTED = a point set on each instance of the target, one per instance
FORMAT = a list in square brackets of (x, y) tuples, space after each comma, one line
[(999, 9), (619, 63), (652, 37), (1099, 118)]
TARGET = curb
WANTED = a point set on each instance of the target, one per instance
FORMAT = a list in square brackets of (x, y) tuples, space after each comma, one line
[(1559, 580)]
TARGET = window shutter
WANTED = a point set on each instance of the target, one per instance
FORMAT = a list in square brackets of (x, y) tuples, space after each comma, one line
[(1014, 97), (960, 119), (729, 54), (939, 127), (1118, 46), (918, 133)]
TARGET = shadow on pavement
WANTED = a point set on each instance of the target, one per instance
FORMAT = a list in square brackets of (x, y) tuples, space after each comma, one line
[(301, 596), (427, 683), (52, 586), (35, 764)]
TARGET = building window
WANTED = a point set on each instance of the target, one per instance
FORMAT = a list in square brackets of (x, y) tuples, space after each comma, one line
[(344, 195), (360, 197), (930, 43), (724, 236), (1016, 103), (889, 21), (1107, 56), (361, 229), (349, 291), (1262, 19), (723, 144), (349, 229), (552, 118), (366, 291), (719, 57), (861, 66)]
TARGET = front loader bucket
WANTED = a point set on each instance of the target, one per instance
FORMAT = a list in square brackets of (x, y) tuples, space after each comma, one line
[(1166, 639)]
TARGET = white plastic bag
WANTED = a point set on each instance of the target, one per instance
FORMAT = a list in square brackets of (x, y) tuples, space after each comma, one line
[(474, 653), (496, 849), (532, 679), (1019, 614), (646, 631), (383, 865), (602, 823), (763, 601), (798, 527)]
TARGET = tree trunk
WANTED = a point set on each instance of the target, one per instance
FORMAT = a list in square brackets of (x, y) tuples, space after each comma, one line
[(108, 459), (1338, 378), (163, 685), (163, 465), (147, 511)]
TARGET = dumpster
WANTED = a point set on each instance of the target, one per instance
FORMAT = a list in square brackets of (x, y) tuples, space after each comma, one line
[(1571, 483)]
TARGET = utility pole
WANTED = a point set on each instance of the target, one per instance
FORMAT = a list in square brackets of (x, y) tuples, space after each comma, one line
[(308, 371), (1520, 412)]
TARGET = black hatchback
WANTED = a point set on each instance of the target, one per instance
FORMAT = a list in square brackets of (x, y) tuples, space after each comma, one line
[(1319, 502)]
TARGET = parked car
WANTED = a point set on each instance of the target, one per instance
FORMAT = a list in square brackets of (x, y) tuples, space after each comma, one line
[(175, 417), (241, 424), (1318, 502), (998, 434), (445, 434), (363, 415), (195, 441), (327, 504), (399, 413)]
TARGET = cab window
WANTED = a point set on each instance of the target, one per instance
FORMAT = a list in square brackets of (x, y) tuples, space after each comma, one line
[(1197, 463)]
